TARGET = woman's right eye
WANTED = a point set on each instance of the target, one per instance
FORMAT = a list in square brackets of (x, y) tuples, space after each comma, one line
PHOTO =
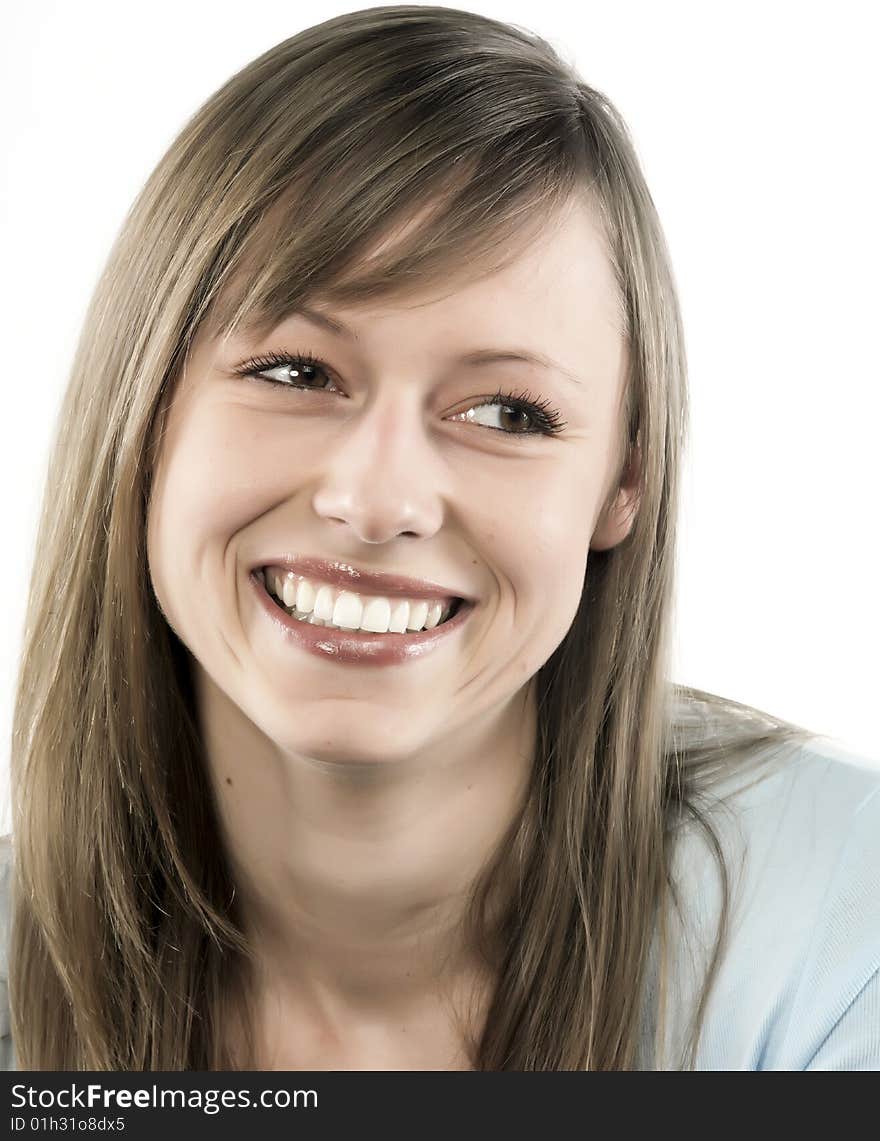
[(300, 369)]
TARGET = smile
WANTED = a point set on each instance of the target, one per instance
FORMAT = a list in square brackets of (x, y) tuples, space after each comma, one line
[(320, 604), (330, 638)]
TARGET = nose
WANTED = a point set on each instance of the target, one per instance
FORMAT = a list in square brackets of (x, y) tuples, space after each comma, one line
[(383, 479)]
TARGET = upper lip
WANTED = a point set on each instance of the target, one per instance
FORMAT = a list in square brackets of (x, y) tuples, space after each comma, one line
[(356, 579)]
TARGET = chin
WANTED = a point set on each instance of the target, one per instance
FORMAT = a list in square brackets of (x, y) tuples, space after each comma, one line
[(361, 735)]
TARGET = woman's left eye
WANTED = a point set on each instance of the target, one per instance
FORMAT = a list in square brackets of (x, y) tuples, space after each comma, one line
[(301, 367)]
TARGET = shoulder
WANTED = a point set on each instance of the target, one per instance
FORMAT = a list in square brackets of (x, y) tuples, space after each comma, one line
[(7, 1059), (798, 986)]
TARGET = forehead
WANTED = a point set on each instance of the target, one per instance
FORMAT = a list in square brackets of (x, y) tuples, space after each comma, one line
[(555, 275), (560, 277), (556, 297)]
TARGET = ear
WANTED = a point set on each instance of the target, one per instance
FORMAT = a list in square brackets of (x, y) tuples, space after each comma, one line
[(618, 517)]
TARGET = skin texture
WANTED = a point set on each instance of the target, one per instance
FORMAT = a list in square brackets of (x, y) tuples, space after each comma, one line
[(358, 803)]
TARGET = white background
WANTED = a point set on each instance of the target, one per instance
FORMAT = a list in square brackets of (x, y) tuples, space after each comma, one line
[(756, 127)]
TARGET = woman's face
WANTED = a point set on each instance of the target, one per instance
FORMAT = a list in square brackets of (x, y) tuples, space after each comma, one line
[(375, 464)]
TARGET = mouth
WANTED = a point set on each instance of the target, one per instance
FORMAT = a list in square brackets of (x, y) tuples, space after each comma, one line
[(342, 639), (321, 604)]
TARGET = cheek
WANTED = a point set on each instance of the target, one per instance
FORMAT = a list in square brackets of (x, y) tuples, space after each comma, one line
[(212, 479), (549, 565), (538, 536), (555, 565)]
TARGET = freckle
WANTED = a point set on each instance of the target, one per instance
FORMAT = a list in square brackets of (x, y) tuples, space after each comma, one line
[(229, 780)]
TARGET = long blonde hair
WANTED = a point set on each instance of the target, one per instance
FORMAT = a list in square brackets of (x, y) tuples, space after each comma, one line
[(126, 942)]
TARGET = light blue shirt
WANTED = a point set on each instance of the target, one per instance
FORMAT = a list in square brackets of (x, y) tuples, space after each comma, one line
[(799, 986)]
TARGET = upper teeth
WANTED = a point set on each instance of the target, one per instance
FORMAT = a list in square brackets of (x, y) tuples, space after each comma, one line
[(352, 611)]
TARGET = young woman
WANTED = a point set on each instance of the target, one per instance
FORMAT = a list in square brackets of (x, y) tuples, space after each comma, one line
[(344, 735)]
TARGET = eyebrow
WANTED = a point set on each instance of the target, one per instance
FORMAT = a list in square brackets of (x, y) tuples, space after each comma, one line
[(476, 357)]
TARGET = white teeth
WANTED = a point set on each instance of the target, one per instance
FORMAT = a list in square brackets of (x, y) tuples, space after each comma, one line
[(434, 612), (324, 601), (305, 596), (399, 617), (289, 594), (418, 612), (348, 611), (324, 605), (376, 616)]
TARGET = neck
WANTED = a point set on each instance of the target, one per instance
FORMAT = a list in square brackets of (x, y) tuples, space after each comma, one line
[(353, 879)]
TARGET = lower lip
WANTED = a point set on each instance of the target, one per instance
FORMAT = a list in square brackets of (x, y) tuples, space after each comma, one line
[(359, 647)]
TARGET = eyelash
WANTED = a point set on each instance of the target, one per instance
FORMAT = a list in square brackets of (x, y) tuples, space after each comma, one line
[(548, 420)]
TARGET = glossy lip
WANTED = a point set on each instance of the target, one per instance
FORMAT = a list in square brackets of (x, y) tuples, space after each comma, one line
[(349, 577), (358, 647)]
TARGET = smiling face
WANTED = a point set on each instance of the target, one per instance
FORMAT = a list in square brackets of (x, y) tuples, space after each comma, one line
[(389, 457)]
